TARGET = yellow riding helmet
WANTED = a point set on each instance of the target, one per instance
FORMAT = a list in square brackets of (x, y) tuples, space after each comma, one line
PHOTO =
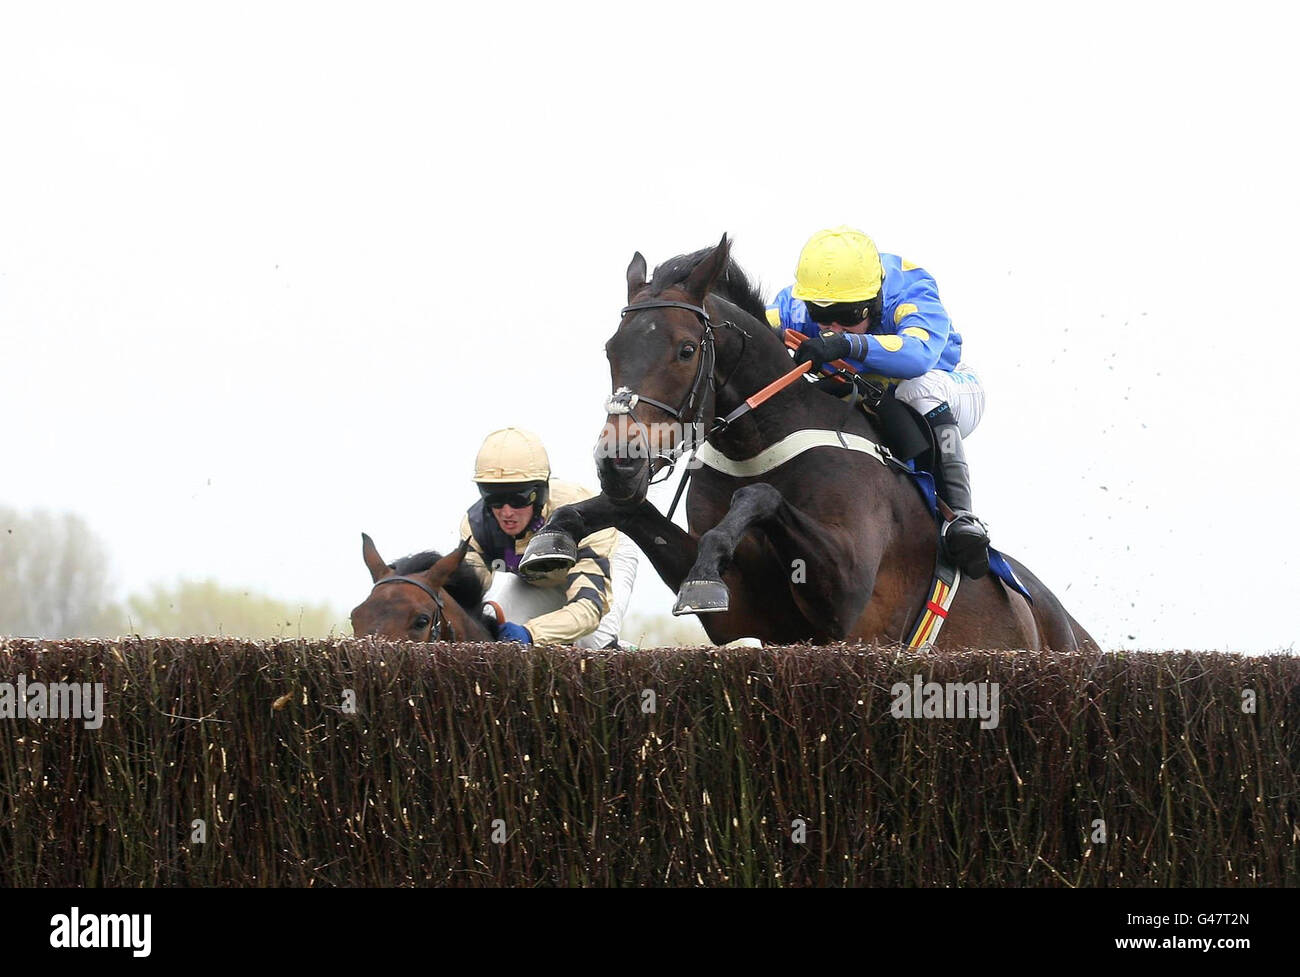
[(512, 455), (840, 264)]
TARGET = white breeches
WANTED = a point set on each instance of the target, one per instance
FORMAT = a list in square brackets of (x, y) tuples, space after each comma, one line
[(961, 389), (521, 601)]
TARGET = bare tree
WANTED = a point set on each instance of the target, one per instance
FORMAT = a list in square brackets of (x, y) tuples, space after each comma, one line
[(53, 577)]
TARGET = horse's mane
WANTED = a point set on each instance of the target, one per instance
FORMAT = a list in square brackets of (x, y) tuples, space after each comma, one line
[(463, 584), (732, 284)]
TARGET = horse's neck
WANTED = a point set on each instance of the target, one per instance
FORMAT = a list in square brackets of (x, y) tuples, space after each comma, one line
[(464, 624)]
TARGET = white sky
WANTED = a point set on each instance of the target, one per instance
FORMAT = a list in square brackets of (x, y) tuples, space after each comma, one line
[(270, 272)]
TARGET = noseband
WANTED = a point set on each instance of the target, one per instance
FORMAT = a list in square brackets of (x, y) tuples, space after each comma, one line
[(624, 400), (439, 619)]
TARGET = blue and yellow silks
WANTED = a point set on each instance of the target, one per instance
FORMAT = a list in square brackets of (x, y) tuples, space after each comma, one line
[(915, 336)]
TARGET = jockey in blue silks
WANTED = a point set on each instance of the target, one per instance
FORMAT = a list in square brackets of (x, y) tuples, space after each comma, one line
[(882, 315)]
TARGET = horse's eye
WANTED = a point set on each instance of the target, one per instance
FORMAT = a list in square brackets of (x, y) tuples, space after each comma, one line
[(421, 622), (686, 352)]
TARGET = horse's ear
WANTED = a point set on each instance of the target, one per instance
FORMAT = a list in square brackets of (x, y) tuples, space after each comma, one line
[(374, 562), (441, 572), (635, 276), (707, 271)]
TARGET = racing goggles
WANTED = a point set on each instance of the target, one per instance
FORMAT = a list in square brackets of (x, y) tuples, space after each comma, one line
[(516, 500), (844, 313)]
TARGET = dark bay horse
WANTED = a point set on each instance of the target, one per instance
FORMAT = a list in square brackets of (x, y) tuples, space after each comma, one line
[(829, 544), (424, 597)]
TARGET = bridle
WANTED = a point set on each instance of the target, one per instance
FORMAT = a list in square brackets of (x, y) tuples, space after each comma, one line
[(439, 619), (624, 400)]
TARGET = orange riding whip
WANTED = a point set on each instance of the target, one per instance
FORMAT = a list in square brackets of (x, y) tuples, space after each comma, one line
[(771, 390), (793, 340)]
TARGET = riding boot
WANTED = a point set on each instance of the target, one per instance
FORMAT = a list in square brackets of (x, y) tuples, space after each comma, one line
[(965, 538)]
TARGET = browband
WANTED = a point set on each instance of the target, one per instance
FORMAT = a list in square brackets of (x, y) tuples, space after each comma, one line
[(419, 583), (698, 310)]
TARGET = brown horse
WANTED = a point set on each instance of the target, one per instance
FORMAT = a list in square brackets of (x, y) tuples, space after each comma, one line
[(421, 598), (828, 544)]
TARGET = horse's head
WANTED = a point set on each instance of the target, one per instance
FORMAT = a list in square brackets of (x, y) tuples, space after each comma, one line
[(661, 361), (412, 606)]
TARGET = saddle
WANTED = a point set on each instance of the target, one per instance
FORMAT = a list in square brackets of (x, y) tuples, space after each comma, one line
[(903, 430)]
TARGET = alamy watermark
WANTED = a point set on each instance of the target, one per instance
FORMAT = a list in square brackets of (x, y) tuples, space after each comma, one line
[(75, 930), (53, 700), (951, 700)]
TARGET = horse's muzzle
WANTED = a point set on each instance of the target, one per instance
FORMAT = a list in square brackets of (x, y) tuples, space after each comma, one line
[(623, 461), (624, 481)]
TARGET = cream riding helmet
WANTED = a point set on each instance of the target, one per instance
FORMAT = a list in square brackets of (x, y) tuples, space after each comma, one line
[(512, 469)]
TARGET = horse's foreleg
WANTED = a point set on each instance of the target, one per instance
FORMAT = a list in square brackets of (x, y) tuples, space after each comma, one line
[(670, 549), (819, 582)]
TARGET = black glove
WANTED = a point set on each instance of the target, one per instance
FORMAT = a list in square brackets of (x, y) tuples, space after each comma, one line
[(830, 345)]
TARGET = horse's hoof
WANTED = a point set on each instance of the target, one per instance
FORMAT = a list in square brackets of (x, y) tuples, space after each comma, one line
[(546, 552), (701, 597)]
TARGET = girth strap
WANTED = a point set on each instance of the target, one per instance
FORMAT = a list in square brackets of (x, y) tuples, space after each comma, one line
[(947, 578)]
